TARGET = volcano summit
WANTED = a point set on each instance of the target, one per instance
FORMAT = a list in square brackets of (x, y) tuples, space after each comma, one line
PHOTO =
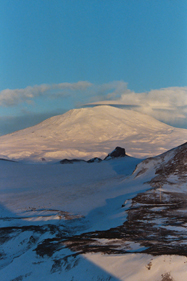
[(91, 132)]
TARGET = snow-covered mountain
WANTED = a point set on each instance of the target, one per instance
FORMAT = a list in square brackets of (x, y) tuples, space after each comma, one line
[(91, 132)]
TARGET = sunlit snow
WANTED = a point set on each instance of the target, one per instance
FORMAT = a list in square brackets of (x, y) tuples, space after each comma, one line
[(91, 132), (121, 219)]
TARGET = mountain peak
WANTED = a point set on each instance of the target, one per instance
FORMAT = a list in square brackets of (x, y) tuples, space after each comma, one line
[(91, 132)]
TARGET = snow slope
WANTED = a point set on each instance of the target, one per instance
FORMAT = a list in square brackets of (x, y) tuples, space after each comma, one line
[(95, 221), (91, 132)]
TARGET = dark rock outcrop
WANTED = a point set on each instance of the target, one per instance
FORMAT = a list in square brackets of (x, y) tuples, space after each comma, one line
[(95, 159), (68, 161), (117, 152)]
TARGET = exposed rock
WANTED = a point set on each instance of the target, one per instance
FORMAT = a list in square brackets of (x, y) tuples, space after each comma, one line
[(95, 159), (172, 162), (117, 152), (68, 161), (177, 164), (77, 160)]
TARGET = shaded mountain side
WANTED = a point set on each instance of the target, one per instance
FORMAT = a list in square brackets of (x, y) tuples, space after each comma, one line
[(170, 163)]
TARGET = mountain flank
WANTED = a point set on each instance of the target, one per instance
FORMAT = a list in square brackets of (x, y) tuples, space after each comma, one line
[(87, 133)]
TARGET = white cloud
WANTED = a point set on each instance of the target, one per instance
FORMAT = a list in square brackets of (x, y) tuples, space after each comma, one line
[(10, 97), (167, 104)]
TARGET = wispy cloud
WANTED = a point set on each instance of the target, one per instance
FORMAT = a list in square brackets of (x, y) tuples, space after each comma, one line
[(167, 104), (13, 97)]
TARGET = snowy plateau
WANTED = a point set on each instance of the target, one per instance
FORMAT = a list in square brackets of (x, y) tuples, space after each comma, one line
[(122, 218)]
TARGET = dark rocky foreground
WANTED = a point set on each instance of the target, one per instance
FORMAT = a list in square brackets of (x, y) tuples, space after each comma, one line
[(156, 224)]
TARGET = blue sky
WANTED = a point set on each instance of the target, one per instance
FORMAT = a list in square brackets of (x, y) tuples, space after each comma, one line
[(57, 55)]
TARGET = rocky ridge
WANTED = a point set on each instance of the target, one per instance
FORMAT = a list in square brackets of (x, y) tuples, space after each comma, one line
[(116, 153)]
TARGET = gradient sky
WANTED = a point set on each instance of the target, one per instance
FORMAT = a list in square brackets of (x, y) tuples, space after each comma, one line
[(114, 47)]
